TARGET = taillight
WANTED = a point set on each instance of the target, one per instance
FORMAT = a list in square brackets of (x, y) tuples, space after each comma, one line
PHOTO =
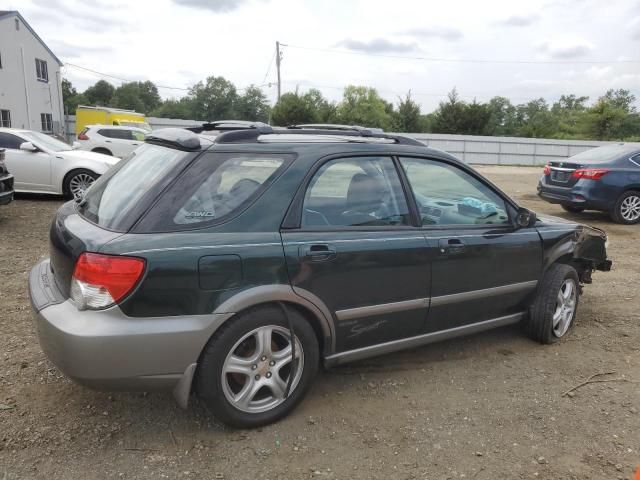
[(100, 281), (547, 170), (83, 136), (590, 173)]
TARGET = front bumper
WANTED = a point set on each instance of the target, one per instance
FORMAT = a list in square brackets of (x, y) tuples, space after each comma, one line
[(108, 350), (6, 189)]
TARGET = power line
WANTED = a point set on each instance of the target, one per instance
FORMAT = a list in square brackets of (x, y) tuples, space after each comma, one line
[(269, 68), (125, 80), (464, 60), (120, 78)]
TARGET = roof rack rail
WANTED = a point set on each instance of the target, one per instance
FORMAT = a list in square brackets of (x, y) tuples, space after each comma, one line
[(252, 135), (225, 125), (334, 126)]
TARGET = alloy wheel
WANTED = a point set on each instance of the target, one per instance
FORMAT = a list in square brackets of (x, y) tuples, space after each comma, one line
[(630, 208), (565, 307), (79, 184), (256, 371)]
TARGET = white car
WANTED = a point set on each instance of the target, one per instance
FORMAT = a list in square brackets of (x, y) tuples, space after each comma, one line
[(111, 139), (41, 164)]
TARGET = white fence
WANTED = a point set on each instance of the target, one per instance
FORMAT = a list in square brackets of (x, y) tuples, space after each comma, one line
[(469, 148)]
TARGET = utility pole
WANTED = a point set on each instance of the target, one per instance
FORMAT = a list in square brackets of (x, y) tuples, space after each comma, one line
[(278, 58)]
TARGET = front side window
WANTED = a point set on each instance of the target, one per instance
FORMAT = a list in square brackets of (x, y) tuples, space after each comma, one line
[(447, 195), (636, 160), (139, 136), (46, 120), (355, 192), (42, 73), (5, 118)]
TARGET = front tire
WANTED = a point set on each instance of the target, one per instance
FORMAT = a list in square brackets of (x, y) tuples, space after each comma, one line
[(572, 209), (554, 310), (627, 208), (245, 368), (77, 181)]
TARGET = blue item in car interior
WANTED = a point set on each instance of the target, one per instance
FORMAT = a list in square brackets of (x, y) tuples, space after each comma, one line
[(486, 209)]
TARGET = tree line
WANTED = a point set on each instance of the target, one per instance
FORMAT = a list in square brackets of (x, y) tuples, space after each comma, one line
[(613, 116)]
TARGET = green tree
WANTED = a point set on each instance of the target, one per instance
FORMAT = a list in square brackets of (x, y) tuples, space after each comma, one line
[(570, 112), (364, 106), (71, 98), (142, 97), (215, 99), (502, 117), (408, 118), (476, 118), (100, 93), (292, 109), (449, 117), (252, 105), (175, 108), (326, 112), (536, 120)]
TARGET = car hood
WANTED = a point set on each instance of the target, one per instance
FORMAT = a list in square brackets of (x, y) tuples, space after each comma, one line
[(91, 156), (550, 220)]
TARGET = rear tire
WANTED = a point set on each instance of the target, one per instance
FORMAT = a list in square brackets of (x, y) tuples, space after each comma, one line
[(627, 208), (104, 151), (243, 383), (554, 310), (572, 209), (76, 182)]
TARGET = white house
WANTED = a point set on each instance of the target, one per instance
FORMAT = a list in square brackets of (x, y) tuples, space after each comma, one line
[(30, 81)]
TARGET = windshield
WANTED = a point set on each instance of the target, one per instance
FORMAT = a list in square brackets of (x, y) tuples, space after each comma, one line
[(113, 196), (46, 142)]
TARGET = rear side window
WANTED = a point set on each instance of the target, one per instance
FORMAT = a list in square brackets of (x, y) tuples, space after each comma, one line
[(111, 199), (215, 187)]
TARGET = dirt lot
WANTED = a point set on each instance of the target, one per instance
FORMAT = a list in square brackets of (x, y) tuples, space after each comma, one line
[(487, 406)]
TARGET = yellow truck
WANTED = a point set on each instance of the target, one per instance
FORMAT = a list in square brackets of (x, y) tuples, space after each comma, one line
[(109, 116)]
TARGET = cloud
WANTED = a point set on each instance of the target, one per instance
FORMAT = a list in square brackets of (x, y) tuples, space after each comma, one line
[(217, 6), (518, 20), (81, 17), (444, 33), (76, 50), (634, 26), (378, 45), (566, 47)]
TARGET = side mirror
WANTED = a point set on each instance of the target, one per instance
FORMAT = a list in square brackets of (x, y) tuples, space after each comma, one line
[(28, 147), (525, 218), (76, 145)]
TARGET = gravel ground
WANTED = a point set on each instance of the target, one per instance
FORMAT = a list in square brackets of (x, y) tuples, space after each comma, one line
[(487, 406)]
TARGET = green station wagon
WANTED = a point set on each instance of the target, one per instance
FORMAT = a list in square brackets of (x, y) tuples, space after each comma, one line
[(235, 267)]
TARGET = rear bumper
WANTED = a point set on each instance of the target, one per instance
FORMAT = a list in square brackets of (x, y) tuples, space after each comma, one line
[(586, 194), (108, 350)]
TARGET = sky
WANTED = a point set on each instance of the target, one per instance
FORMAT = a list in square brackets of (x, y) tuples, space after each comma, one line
[(520, 50)]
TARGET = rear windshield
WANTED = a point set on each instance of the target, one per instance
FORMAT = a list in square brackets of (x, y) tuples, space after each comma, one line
[(215, 186), (604, 154), (113, 197)]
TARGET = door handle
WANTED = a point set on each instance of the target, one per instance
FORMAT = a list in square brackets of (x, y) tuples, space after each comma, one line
[(107, 141), (451, 246), (318, 252)]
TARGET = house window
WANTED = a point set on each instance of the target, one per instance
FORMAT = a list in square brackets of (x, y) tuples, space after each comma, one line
[(42, 72), (47, 122), (5, 118), (0, 61), (17, 24)]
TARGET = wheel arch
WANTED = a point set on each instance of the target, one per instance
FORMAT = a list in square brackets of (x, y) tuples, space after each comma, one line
[(310, 306), (68, 174), (102, 150)]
